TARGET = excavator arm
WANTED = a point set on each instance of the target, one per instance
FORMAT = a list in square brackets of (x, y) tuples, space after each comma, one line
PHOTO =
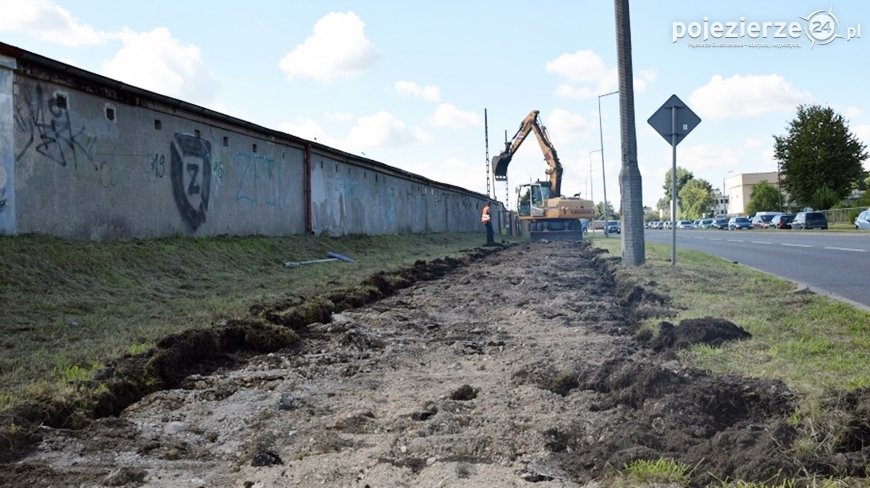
[(532, 123)]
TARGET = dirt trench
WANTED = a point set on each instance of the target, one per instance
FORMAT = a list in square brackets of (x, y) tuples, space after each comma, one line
[(519, 367)]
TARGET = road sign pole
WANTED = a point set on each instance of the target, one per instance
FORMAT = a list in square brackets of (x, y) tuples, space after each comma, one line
[(686, 120), (673, 186)]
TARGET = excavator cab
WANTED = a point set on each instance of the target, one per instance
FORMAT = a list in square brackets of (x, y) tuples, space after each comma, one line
[(531, 199)]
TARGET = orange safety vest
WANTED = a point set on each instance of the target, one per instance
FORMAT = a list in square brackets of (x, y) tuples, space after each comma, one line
[(484, 217)]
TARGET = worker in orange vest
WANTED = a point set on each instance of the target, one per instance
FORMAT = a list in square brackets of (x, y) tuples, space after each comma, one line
[(487, 221)]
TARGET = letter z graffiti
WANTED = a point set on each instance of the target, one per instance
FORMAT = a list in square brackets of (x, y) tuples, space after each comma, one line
[(190, 172)]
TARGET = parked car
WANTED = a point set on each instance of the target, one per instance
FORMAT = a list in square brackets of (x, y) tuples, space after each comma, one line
[(720, 223), (612, 227), (737, 223), (781, 221), (685, 224), (862, 221), (706, 224), (809, 220), (761, 220), (696, 224)]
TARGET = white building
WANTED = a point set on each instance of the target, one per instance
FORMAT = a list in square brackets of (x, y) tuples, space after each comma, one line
[(738, 189)]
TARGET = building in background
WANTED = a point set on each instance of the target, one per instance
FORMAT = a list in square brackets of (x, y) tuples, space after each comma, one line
[(721, 209), (738, 189)]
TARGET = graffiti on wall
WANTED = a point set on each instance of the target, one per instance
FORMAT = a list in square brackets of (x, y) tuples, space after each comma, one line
[(48, 129), (156, 165), (190, 172), (217, 168), (259, 180), (2, 189)]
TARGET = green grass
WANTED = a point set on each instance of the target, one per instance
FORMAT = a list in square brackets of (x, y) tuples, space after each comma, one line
[(814, 344), (810, 342), (70, 305), (643, 472)]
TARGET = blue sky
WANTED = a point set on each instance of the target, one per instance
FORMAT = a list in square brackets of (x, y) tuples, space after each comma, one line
[(406, 82)]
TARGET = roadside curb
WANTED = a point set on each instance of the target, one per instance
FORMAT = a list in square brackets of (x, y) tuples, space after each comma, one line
[(801, 287)]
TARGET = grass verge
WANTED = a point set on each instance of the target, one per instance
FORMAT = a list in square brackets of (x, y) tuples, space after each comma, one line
[(70, 305), (817, 346)]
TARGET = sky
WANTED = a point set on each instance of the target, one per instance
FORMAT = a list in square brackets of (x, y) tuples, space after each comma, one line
[(406, 82)]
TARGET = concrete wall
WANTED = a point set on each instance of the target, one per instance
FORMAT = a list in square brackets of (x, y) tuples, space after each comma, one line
[(7, 153), (84, 156)]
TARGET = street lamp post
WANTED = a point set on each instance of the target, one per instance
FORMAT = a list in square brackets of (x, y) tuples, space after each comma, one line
[(726, 200), (601, 139), (589, 181)]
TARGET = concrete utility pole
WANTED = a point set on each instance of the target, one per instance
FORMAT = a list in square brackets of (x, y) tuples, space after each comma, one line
[(630, 183)]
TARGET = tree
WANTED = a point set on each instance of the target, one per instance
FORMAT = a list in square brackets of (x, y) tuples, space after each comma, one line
[(764, 197), (599, 211), (630, 183), (683, 177), (663, 203), (819, 150), (824, 198), (697, 199)]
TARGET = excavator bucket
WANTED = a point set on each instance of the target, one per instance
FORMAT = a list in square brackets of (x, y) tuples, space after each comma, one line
[(500, 165)]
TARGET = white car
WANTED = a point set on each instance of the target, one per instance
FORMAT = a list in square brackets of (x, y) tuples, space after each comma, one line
[(685, 224), (862, 221)]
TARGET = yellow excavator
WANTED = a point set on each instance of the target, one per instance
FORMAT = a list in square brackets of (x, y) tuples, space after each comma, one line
[(540, 205)]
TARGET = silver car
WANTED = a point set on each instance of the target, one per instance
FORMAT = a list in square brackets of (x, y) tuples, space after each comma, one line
[(862, 221)]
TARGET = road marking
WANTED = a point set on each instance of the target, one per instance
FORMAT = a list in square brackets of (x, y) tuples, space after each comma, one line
[(734, 240), (714, 239), (846, 249), (761, 242), (795, 245)]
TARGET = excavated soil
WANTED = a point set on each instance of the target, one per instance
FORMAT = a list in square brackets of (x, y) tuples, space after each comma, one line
[(507, 368)]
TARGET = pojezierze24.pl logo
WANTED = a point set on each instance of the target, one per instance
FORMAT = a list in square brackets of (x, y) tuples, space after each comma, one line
[(820, 27)]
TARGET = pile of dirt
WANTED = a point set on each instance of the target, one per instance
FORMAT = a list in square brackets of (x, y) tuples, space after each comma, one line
[(708, 330)]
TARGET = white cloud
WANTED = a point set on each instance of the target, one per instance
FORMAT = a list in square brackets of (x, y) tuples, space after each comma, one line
[(430, 93), (752, 142), (583, 67), (862, 132), (767, 156), (337, 48), (159, 62), (451, 170), (852, 112), (746, 96), (338, 116), (586, 68), (381, 129), (448, 115), (642, 80), (48, 22), (566, 90), (422, 136), (564, 127), (700, 157), (588, 76), (305, 128)]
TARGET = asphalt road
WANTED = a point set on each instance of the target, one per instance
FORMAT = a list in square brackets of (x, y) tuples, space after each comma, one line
[(830, 263)]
